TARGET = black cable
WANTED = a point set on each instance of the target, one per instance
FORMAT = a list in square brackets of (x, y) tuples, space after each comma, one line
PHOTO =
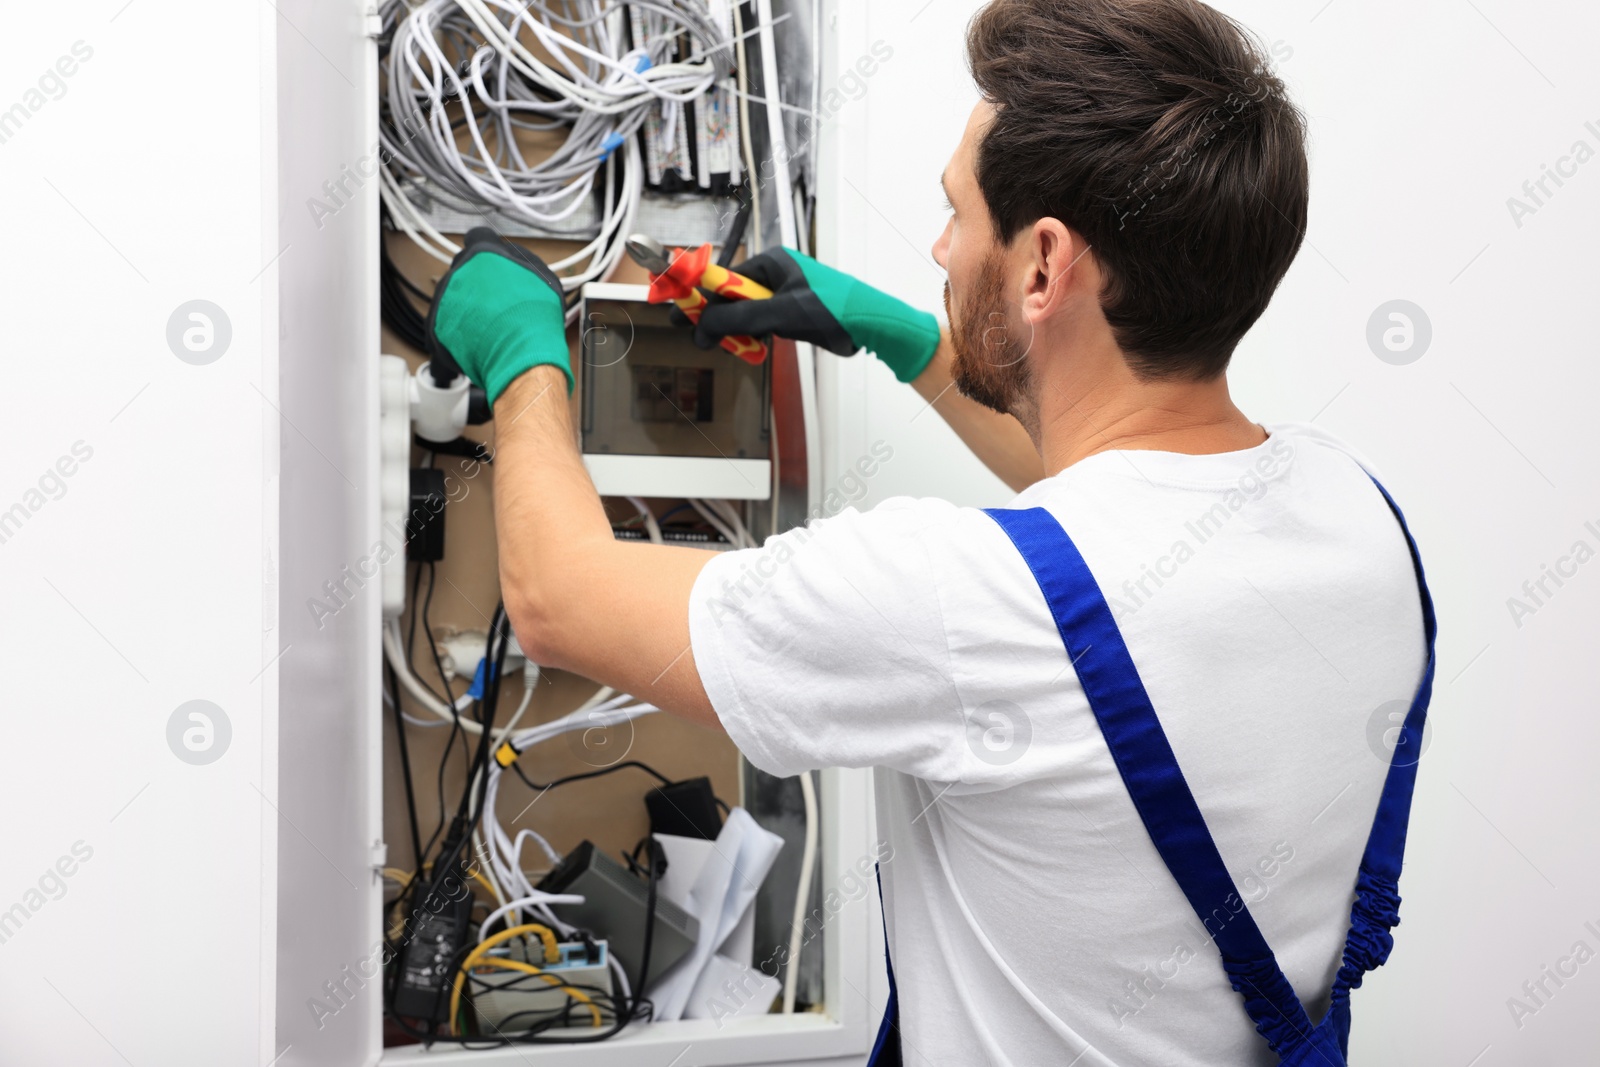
[(536, 787), (461, 446), (663, 779), (735, 237), (455, 725), (470, 811), (495, 663), (406, 283), (548, 1017), (411, 632), (656, 863), (433, 646), (469, 814), (427, 632), (405, 764), (452, 853), (395, 292)]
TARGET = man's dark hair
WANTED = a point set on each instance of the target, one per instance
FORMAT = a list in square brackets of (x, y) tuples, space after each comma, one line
[(1156, 130)]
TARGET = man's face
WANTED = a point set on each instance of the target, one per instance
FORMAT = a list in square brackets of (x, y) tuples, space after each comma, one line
[(991, 364)]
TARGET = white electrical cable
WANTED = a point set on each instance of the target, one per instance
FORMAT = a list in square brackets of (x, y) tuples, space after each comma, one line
[(490, 69), (716, 522), (539, 839), (501, 855), (394, 650), (485, 868), (651, 526), (808, 859), (458, 66), (530, 680), (411, 221), (536, 897), (730, 515), (421, 724)]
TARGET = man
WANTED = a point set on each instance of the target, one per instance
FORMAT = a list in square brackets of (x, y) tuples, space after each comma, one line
[(1120, 727)]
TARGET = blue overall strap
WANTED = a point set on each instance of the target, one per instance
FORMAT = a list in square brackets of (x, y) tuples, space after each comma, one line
[(1377, 906), (1150, 771), (886, 1049)]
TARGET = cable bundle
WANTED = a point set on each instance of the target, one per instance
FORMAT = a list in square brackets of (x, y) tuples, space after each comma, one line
[(500, 860), (459, 82), (497, 855)]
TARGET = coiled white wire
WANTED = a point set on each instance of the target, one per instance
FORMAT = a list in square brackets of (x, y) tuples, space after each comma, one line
[(466, 66)]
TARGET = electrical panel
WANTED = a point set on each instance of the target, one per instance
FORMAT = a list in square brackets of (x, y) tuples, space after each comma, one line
[(662, 417), (557, 937)]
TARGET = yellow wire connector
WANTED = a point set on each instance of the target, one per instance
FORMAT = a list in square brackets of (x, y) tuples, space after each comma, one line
[(505, 755)]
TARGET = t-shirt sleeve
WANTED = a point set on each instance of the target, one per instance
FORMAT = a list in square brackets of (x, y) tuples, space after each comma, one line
[(826, 647)]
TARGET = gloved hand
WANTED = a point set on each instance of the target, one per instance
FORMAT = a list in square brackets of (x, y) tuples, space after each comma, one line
[(497, 312), (825, 307)]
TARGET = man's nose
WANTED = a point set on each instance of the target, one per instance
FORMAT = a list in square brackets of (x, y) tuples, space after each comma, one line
[(941, 248)]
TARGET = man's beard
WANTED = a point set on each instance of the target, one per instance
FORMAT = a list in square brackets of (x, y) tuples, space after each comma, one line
[(990, 365)]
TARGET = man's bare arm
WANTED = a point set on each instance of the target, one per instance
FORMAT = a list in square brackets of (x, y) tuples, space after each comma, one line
[(578, 599), (998, 440)]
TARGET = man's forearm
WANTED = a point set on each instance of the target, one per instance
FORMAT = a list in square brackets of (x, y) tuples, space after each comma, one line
[(577, 598), (998, 440)]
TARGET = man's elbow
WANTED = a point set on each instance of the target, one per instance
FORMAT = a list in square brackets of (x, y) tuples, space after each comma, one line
[(533, 622), (549, 600)]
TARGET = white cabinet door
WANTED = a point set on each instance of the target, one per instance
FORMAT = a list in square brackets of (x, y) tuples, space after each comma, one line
[(329, 976)]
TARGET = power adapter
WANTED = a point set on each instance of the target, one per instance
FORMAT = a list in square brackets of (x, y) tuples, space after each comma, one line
[(684, 809), (435, 934)]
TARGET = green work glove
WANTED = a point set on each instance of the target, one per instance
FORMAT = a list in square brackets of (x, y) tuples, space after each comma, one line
[(825, 307), (496, 313)]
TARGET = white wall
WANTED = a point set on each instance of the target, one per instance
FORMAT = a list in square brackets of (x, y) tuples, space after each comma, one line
[(131, 187), (1425, 118)]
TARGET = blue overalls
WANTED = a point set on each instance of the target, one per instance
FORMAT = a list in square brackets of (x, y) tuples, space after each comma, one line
[(1149, 770)]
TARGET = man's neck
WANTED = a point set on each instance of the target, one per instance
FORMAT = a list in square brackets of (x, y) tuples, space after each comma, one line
[(1114, 410)]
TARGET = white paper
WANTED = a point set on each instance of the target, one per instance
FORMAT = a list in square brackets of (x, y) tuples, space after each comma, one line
[(685, 858), (730, 872), (729, 990)]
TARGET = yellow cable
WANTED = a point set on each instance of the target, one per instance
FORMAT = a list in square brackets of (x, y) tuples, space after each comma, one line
[(552, 954), (527, 968), (477, 876), (398, 925), (395, 874)]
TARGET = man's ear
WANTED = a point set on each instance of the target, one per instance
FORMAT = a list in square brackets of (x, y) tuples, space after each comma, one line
[(1054, 261)]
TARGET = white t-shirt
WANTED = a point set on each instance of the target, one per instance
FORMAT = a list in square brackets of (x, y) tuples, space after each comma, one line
[(1267, 598)]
